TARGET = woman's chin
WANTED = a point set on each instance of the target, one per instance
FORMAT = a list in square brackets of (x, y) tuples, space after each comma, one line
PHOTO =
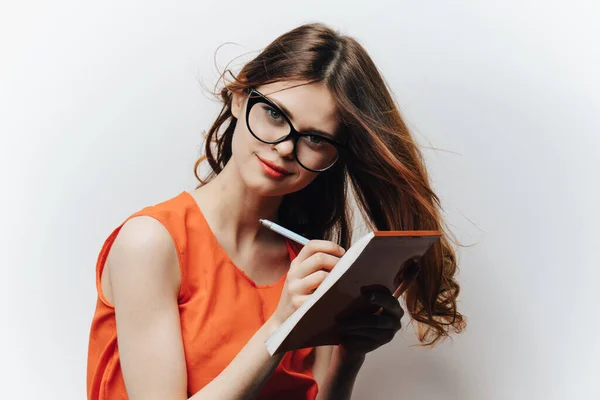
[(266, 190), (265, 187)]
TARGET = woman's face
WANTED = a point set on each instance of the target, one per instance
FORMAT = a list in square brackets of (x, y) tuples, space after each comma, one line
[(309, 107)]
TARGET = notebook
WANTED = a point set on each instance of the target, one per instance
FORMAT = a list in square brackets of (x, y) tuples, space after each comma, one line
[(378, 259)]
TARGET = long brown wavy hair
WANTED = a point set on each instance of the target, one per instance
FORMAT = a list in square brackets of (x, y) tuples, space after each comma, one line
[(382, 167)]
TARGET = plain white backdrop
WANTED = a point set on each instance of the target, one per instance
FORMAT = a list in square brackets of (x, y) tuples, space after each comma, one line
[(101, 113)]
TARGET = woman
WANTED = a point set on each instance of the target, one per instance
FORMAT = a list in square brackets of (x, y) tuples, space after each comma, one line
[(194, 285)]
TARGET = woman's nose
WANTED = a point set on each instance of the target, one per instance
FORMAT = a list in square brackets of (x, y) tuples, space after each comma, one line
[(285, 149)]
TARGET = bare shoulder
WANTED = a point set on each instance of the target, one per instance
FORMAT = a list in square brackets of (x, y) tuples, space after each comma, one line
[(144, 234), (143, 253)]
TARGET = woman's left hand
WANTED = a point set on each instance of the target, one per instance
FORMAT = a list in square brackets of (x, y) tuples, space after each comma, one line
[(365, 332)]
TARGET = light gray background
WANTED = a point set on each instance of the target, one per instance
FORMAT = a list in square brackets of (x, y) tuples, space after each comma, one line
[(101, 113)]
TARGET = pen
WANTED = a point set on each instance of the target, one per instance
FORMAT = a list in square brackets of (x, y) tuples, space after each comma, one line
[(284, 232)]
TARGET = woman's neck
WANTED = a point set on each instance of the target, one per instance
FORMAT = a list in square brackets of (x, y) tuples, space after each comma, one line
[(233, 210)]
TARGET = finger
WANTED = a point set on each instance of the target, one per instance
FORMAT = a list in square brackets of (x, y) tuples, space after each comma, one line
[(298, 300), (319, 246), (390, 304), (316, 262), (311, 282)]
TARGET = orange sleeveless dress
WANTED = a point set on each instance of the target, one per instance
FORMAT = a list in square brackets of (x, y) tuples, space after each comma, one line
[(219, 306)]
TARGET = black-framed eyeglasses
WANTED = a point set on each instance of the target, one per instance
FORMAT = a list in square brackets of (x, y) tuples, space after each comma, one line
[(270, 125)]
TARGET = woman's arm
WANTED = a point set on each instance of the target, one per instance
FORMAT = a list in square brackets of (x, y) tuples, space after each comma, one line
[(144, 285), (339, 373), (361, 333), (321, 363)]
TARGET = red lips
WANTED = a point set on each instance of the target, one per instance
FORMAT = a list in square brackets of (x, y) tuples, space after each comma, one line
[(275, 167)]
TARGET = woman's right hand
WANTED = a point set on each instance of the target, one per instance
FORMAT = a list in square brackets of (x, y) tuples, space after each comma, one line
[(310, 267)]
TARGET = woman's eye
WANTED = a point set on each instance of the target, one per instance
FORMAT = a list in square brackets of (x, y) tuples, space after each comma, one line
[(315, 139), (274, 114)]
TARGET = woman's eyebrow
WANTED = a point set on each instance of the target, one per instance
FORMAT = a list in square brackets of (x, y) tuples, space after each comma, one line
[(291, 117)]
